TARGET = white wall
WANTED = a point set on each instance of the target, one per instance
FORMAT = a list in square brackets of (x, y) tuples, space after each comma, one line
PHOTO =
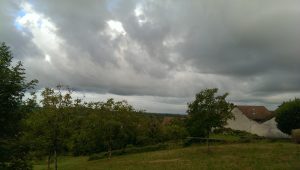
[(266, 129), (241, 122), (272, 130)]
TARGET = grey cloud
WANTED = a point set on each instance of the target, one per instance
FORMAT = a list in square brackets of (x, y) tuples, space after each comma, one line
[(246, 45), (248, 48)]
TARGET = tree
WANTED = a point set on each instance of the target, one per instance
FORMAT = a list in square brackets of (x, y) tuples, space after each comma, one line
[(208, 111), (154, 130), (106, 126), (113, 134), (13, 86), (49, 127), (175, 130), (288, 116)]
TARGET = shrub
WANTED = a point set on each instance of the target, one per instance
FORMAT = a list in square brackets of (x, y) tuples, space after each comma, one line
[(288, 116), (97, 156), (296, 135), (175, 131), (129, 151)]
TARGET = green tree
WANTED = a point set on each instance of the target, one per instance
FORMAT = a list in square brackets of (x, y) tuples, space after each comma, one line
[(208, 111), (106, 126), (13, 86), (113, 135), (153, 130), (175, 130), (288, 116), (103, 126), (49, 127)]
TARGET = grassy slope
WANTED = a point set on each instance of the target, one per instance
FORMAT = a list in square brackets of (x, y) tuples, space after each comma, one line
[(231, 156)]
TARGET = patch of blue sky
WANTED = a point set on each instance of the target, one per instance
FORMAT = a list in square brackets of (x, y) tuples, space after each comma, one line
[(18, 26), (112, 4), (39, 23), (20, 14)]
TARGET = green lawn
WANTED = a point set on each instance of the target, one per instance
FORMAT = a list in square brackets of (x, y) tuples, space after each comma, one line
[(260, 155)]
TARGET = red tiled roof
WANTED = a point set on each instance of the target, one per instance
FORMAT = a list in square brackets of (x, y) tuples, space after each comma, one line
[(167, 120), (257, 113)]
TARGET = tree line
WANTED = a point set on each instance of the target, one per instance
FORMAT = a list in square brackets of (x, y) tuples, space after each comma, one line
[(63, 125)]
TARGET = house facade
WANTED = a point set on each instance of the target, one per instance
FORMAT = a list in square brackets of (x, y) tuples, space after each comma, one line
[(256, 120)]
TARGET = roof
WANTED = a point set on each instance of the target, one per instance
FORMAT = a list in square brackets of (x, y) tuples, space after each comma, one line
[(257, 113), (167, 120)]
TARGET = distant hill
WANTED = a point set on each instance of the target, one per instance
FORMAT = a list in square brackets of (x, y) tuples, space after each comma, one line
[(166, 114)]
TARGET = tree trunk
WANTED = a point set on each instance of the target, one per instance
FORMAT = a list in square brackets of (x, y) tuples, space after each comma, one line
[(55, 149), (124, 148), (48, 161), (109, 152), (55, 159), (109, 148), (55, 141), (207, 141)]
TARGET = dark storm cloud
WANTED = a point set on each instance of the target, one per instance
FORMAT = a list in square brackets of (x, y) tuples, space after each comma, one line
[(160, 48)]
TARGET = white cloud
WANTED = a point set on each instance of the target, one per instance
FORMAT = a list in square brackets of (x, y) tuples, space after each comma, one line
[(140, 15), (114, 29), (42, 29), (48, 58)]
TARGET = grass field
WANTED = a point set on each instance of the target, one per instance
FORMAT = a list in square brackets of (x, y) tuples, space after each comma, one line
[(259, 155)]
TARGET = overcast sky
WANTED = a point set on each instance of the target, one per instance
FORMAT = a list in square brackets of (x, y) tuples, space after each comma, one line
[(158, 53)]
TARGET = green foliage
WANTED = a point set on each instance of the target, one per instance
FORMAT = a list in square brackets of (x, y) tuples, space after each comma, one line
[(20, 159), (288, 116), (64, 125), (12, 89), (237, 133), (175, 130), (13, 86), (153, 130), (48, 128), (106, 126), (208, 111), (231, 135), (88, 128)]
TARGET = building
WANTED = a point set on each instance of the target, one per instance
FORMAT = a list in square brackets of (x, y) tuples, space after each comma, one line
[(257, 120)]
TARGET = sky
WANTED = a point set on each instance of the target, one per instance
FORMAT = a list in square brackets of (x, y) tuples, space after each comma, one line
[(158, 54)]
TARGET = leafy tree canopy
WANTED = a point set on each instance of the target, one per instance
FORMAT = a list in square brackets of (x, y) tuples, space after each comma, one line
[(288, 116), (208, 111), (13, 86)]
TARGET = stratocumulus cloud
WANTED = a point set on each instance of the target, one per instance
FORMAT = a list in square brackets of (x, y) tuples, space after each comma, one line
[(159, 52)]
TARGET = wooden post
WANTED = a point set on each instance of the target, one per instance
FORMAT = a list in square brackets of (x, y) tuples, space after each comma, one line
[(207, 142)]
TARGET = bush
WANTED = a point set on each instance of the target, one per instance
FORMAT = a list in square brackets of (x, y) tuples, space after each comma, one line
[(296, 135), (97, 156), (146, 148), (198, 140), (174, 131), (288, 116), (129, 151), (241, 134), (144, 140)]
